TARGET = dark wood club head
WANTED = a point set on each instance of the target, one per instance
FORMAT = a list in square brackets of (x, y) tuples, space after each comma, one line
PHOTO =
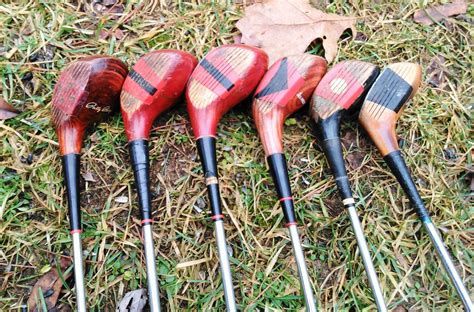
[(154, 84), (226, 76), (284, 89), (87, 91), (385, 102), (341, 87)]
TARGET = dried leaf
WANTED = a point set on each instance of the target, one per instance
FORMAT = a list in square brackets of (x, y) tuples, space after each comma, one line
[(88, 177), (7, 111), (438, 13), (121, 199), (284, 28), (437, 71), (133, 301), (50, 285)]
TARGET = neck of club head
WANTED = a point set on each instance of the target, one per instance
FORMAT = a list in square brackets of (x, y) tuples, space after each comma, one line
[(138, 126), (382, 134), (70, 135), (279, 172), (327, 133), (141, 170), (397, 165), (207, 153), (71, 164), (270, 129)]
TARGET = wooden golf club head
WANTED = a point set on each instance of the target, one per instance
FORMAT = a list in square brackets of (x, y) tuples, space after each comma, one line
[(385, 102), (284, 89), (155, 83), (87, 91), (343, 85), (225, 77)]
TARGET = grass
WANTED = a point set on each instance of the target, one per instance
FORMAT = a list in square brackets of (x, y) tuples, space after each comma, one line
[(38, 38)]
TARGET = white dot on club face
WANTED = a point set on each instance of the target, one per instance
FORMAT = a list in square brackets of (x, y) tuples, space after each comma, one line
[(338, 85)]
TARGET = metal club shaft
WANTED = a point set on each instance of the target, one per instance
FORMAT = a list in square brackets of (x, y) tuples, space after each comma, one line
[(152, 280), (225, 266), (78, 272), (302, 270), (369, 266), (449, 265)]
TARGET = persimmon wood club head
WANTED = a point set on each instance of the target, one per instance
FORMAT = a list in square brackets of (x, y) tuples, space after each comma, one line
[(226, 76), (155, 83), (343, 86), (379, 114), (87, 91), (284, 89)]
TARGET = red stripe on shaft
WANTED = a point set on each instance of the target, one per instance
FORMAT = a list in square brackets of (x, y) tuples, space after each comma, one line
[(219, 216), (146, 221), (286, 198), (290, 224), (76, 231)]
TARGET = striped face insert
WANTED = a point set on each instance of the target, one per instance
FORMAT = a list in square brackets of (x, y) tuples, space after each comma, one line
[(385, 102), (225, 77), (341, 87), (155, 82)]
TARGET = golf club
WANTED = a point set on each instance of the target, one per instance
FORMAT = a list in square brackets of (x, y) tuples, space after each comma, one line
[(340, 88), (155, 83), (226, 76), (284, 89), (87, 91), (379, 114)]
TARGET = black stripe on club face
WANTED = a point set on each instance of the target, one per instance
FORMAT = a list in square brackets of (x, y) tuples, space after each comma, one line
[(142, 82), (390, 91), (216, 74), (278, 83)]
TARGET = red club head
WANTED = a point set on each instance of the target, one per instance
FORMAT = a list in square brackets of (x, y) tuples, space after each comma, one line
[(87, 91), (154, 84), (341, 87), (385, 101), (225, 77), (284, 89)]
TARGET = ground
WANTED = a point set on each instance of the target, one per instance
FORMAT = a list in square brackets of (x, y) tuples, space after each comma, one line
[(38, 38)]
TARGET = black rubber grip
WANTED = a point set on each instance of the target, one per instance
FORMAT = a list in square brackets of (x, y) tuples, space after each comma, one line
[(279, 172), (141, 171), (207, 153), (399, 168), (71, 164)]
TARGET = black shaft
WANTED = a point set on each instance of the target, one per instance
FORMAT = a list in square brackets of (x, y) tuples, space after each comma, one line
[(328, 133), (207, 153), (71, 163), (279, 171), (397, 165), (141, 171)]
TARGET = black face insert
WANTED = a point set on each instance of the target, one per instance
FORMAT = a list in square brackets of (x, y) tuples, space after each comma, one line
[(278, 83), (390, 91), (214, 72), (142, 82)]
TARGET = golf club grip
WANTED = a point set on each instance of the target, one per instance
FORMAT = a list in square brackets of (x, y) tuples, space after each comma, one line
[(333, 151), (207, 153), (71, 163), (141, 171), (279, 172), (397, 165)]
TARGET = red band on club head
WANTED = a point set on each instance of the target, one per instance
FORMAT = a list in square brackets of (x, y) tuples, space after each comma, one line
[(286, 198), (217, 217), (290, 224), (76, 231), (144, 221)]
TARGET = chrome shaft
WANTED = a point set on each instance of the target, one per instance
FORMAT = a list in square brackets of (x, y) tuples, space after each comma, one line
[(369, 266), (225, 266), (449, 265), (78, 272), (302, 270), (152, 280)]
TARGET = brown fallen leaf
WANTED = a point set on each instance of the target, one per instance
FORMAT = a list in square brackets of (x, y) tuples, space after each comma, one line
[(437, 71), (50, 285), (438, 13), (89, 177), (6, 110), (283, 28)]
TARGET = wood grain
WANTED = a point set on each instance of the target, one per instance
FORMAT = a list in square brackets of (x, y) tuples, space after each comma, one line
[(284, 89), (87, 91), (385, 102), (154, 84), (226, 76)]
